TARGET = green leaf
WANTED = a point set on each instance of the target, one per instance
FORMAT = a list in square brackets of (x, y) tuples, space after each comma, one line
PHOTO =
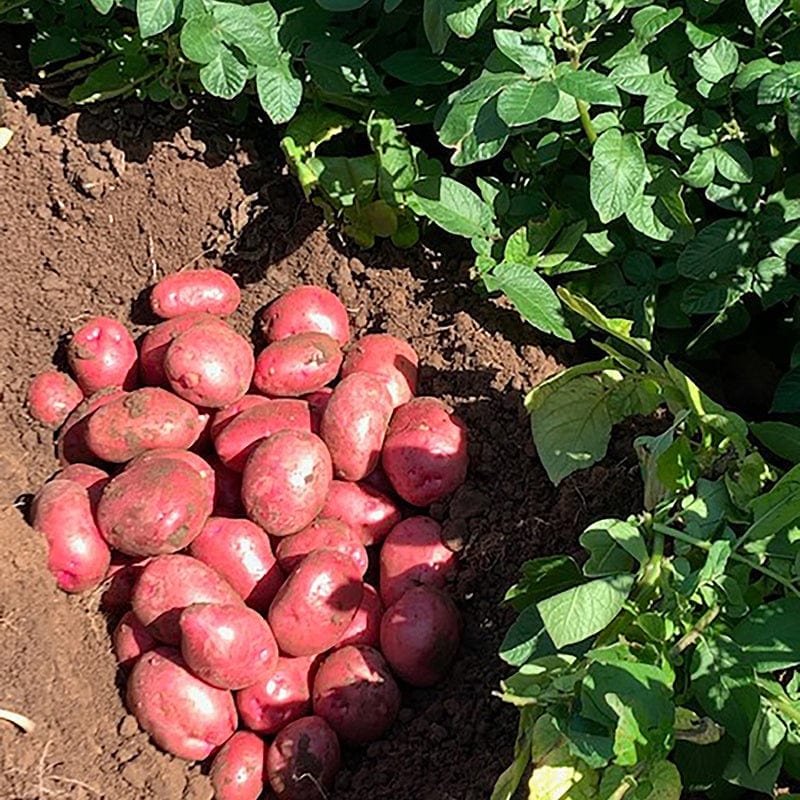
[(341, 70), (155, 16), (342, 5), (252, 29), (111, 79), (777, 508), (536, 59), (613, 545), (279, 90), (780, 84), (761, 10), (452, 206), (770, 636), (464, 17), (717, 62), (720, 248), (542, 577), (435, 24), (779, 437), (787, 393), (733, 162), (524, 102), (650, 21), (200, 39), (617, 174), (523, 637), (224, 76), (420, 68), (663, 105), (349, 180), (102, 6), (738, 773), (766, 735), (592, 87), (633, 76)]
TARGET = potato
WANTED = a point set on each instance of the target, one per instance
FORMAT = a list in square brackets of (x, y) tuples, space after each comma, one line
[(388, 357), (306, 309), (282, 697), (363, 509), (196, 462), (52, 397), (93, 479), (303, 758), (240, 552), (297, 365), (71, 444), (322, 534), (237, 771), (120, 579), (425, 452), (366, 625), (241, 435), (77, 555), (102, 354), (315, 605), (183, 715), (355, 693), (223, 416), (170, 583), (202, 290), (354, 424), (317, 403), (228, 490), (130, 640), (229, 646), (420, 635), (285, 481), (155, 343), (413, 554), (210, 364), (155, 506)]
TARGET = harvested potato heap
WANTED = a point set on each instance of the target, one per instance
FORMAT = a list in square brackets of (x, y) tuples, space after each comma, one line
[(231, 506)]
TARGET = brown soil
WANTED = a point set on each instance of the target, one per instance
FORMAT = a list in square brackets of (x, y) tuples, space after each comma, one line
[(93, 206)]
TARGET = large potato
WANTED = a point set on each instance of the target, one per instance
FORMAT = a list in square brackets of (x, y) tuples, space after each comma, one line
[(366, 511), (366, 625), (156, 342), (71, 445), (297, 365), (322, 534), (388, 357), (237, 772), (306, 309), (102, 354), (196, 462), (52, 397), (202, 290), (222, 416)]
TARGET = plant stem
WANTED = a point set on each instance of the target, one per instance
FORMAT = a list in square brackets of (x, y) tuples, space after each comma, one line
[(688, 639), (586, 122)]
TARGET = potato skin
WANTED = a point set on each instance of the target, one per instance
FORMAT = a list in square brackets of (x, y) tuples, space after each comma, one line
[(237, 772), (155, 343), (52, 397), (222, 416), (368, 512), (305, 747), (305, 309), (322, 534), (355, 693), (388, 357), (420, 635), (354, 424), (122, 575), (317, 403), (202, 290), (425, 452), (182, 714), (101, 354), (315, 605), (92, 478), (366, 625), (130, 640), (285, 481), (297, 365), (71, 444)]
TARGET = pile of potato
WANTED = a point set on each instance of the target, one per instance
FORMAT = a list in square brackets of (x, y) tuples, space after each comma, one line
[(231, 505)]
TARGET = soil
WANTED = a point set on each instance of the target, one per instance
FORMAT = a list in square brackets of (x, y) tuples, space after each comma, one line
[(97, 204)]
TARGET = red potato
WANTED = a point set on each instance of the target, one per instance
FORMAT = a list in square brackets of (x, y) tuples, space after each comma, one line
[(228, 490), (303, 758), (77, 555), (322, 534), (204, 443), (122, 575), (210, 291), (210, 364), (366, 625), (366, 511), (238, 769), (284, 696), (297, 365), (388, 357), (354, 424), (317, 403), (52, 397), (223, 416), (130, 640), (285, 481), (167, 585), (305, 309), (355, 693), (93, 479), (425, 451), (155, 343), (316, 604), (420, 635), (102, 354), (413, 554), (71, 444), (182, 714)]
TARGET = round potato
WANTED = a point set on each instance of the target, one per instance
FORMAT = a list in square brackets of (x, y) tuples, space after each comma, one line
[(102, 354), (366, 511), (202, 290), (237, 772), (130, 640), (52, 397), (388, 357), (322, 534), (223, 416), (156, 342), (306, 309), (366, 625), (196, 462), (71, 445), (297, 365)]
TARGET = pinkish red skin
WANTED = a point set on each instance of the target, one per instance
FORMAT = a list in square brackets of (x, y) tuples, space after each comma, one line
[(305, 309), (297, 365), (93, 479), (52, 397), (223, 416), (425, 451), (377, 480), (156, 342), (388, 357), (210, 365), (155, 507), (285, 481), (305, 748), (170, 583), (413, 554), (317, 403), (209, 291), (130, 640), (322, 534), (71, 445), (119, 581), (237, 772), (363, 509), (354, 691), (182, 714), (204, 444), (272, 703), (420, 635), (354, 425), (228, 491), (366, 625), (242, 434), (102, 354), (77, 555)]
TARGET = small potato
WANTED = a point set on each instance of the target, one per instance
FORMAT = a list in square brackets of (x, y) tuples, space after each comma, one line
[(317, 403), (425, 452), (355, 693), (322, 534), (93, 479), (305, 309), (285, 481), (210, 365), (130, 640), (354, 424), (363, 509), (120, 579), (420, 634), (71, 444), (297, 365), (167, 585), (282, 697), (183, 715), (388, 357), (52, 397), (237, 771), (315, 605), (77, 555), (210, 291), (102, 354), (366, 625), (223, 416), (303, 758), (228, 490), (156, 342)]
